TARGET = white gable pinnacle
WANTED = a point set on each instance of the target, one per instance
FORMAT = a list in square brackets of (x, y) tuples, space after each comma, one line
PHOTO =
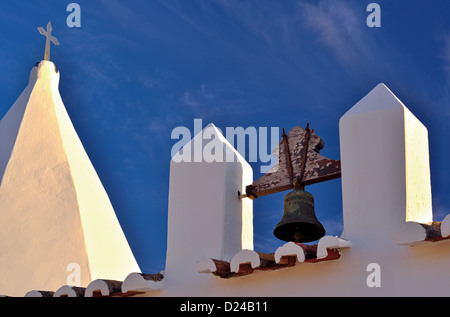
[(54, 210), (208, 145), (206, 217), (379, 98), (385, 167)]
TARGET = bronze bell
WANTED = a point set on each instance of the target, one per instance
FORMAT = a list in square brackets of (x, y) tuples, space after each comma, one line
[(299, 222)]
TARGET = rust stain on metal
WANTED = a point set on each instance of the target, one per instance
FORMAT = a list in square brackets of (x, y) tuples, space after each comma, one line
[(299, 162), (305, 151), (288, 156)]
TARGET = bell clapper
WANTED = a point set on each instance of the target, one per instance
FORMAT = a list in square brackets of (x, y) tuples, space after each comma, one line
[(297, 234)]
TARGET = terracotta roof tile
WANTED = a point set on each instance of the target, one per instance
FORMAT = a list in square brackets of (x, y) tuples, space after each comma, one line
[(69, 291), (139, 282), (412, 233), (39, 294), (246, 261), (134, 283), (102, 288)]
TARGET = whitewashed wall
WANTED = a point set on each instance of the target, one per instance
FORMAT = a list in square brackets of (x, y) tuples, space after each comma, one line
[(385, 182)]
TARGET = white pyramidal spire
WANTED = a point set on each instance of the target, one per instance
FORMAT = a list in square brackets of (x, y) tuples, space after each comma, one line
[(54, 212)]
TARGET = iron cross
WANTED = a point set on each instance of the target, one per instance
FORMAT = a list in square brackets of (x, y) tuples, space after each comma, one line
[(49, 37)]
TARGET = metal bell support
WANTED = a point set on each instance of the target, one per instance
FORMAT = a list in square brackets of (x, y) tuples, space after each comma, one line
[(299, 164)]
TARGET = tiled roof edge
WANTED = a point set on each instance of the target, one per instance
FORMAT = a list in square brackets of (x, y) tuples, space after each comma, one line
[(246, 261), (412, 233), (134, 283)]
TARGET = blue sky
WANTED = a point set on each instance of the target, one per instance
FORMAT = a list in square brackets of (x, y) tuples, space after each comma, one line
[(135, 70)]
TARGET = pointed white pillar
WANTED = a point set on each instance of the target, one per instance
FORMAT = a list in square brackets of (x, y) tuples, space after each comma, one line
[(54, 211), (206, 219), (385, 168)]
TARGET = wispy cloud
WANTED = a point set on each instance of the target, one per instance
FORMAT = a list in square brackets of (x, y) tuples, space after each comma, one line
[(336, 26), (198, 101), (209, 101), (263, 19), (182, 10)]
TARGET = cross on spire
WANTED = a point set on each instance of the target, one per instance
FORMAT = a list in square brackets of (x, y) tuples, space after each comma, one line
[(49, 37)]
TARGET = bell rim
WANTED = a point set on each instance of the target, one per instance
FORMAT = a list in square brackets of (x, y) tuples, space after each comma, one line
[(320, 232)]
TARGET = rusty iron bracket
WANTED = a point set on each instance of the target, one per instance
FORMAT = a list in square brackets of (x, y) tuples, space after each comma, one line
[(299, 164)]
